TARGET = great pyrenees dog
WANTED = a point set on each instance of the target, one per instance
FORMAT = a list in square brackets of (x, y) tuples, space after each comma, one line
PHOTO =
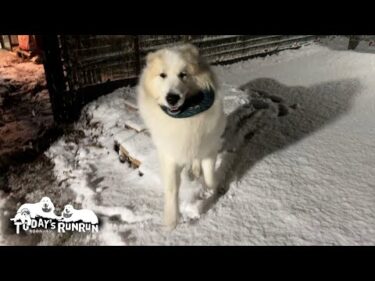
[(44, 208), (183, 111), (73, 215)]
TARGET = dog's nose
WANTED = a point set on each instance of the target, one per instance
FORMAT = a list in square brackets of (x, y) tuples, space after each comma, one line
[(172, 98)]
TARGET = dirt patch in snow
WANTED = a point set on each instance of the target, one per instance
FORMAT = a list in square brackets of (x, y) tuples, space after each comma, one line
[(26, 121)]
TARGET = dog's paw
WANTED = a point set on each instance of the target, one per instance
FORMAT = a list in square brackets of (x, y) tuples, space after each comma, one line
[(206, 193), (170, 221), (170, 228), (170, 225), (190, 210)]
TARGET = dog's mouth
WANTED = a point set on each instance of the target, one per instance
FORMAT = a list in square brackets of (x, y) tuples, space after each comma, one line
[(192, 104), (67, 215), (46, 209), (174, 109)]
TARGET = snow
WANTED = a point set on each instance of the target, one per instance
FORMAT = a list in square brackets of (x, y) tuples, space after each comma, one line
[(2, 202), (298, 166)]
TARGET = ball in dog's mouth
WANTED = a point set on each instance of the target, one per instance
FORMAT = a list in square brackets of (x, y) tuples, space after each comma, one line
[(174, 109)]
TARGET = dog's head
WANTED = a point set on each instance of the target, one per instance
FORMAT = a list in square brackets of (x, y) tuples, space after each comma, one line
[(47, 205), (173, 74), (68, 211)]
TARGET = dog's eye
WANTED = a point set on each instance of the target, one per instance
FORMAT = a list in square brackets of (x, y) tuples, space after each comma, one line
[(182, 75), (163, 75)]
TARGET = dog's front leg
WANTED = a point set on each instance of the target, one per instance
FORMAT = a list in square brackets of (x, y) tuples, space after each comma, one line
[(171, 178)]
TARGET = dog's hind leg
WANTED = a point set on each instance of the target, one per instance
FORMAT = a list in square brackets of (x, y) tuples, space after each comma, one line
[(208, 167), (196, 168), (171, 174)]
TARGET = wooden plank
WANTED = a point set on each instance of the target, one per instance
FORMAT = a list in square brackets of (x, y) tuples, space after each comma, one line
[(131, 101), (136, 149), (135, 123)]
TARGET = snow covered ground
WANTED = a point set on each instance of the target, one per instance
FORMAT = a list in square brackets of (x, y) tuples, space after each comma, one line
[(298, 165)]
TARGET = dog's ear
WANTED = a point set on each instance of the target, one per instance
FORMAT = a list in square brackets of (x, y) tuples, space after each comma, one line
[(150, 57), (190, 49)]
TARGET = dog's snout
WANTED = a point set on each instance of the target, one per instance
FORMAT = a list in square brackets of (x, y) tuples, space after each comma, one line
[(172, 98)]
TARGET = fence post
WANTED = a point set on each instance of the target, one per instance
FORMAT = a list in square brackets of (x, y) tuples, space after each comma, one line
[(137, 54), (186, 38), (50, 52), (353, 42)]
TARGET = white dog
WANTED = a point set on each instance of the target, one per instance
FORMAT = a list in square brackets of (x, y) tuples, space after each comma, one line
[(28, 211), (73, 215), (180, 105), (23, 216)]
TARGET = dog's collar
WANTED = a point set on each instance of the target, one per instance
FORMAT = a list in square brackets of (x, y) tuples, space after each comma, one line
[(193, 105)]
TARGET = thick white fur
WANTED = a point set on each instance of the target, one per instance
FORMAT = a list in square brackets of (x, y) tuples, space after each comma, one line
[(30, 211), (188, 142), (73, 215)]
